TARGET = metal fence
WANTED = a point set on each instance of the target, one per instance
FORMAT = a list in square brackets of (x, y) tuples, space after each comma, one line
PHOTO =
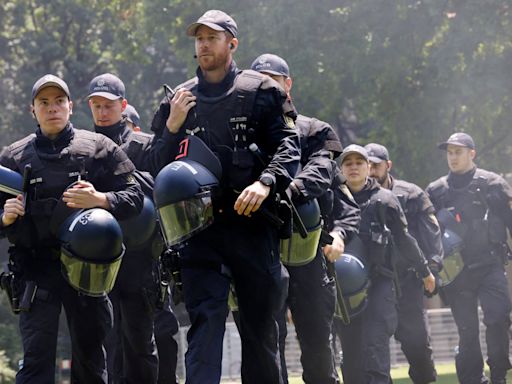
[(442, 330)]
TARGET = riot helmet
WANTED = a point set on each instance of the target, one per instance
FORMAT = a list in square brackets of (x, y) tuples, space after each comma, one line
[(91, 251), (452, 240), (452, 261), (139, 229), (299, 250), (352, 282), (183, 191), (11, 182)]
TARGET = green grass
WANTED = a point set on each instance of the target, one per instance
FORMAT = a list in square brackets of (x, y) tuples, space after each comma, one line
[(446, 375)]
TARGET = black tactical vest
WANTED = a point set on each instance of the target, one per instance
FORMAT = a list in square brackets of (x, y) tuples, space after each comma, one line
[(51, 175), (225, 123), (375, 233), (483, 231)]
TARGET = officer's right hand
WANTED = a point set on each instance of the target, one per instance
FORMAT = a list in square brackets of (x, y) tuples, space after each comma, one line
[(12, 209), (181, 103)]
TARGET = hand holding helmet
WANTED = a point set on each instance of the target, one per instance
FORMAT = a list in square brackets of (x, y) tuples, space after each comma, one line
[(251, 198), (334, 251), (83, 195)]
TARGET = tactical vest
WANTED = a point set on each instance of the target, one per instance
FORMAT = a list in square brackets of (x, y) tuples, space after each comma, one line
[(375, 234), (483, 231), (227, 125), (51, 175)]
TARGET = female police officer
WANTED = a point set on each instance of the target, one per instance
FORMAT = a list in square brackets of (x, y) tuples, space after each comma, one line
[(365, 340), (60, 155)]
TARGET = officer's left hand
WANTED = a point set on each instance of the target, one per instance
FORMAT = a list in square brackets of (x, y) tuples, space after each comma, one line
[(83, 195), (429, 283), (251, 198), (334, 251)]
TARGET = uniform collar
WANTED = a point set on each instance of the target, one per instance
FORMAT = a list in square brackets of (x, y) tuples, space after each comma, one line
[(461, 180), (62, 140), (217, 89), (115, 132)]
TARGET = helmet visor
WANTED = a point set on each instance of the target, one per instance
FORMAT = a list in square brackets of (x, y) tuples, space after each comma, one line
[(181, 220), (297, 251), (91, 279)]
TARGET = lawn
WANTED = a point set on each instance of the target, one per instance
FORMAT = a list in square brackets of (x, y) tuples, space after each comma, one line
[(446, 375)]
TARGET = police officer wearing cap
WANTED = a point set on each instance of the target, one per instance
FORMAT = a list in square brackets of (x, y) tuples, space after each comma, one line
[(132, 117), (101, 176), (231, 110), (311, 294), (131, 350), (480, 203), (412, 330), (365, 340)]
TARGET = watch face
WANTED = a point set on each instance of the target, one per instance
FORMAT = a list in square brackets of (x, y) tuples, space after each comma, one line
[(265, 180)]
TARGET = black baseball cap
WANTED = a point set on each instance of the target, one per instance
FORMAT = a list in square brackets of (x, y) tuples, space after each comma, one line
[(459, 138), (132, 115), (108, 86), (353, 148), (215, 19), (377, 153), (49, 81), (271, 64)]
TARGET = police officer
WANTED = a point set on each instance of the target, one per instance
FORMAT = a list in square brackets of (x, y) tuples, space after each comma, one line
[(365, 340), (132, 118), (229, 110), (412, 330), (480, 202), (166, 324), (60, 155), (311, 293), (135, 360)]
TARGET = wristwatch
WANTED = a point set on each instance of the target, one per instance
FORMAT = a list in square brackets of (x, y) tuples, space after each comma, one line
[(266, 180)]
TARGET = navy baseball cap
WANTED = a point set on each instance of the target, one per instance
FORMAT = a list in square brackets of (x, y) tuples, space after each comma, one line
[(460, 139), (131, 115), (216, 20), (353, 148), (377, 153), (49, 81), (108, 86), (271, 64)]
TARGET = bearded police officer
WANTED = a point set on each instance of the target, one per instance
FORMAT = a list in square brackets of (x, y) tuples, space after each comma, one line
[(83, 170), (365, 339), (479, 202), (134, 295), (412, 329), (311, 294), (231, 110)]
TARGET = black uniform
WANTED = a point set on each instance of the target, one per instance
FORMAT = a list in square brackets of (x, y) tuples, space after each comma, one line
[(312, 293), (365, 341), (131, 349), (412, 330), (245, 108), (481, 202), (55, 165)]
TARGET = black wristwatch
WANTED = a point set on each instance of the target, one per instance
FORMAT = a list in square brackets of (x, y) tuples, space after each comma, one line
[(266, 180)]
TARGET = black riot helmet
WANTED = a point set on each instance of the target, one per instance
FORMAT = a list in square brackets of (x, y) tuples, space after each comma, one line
[(183, 191), (352, 282), (139, 229), (299, 250), (91, 251)]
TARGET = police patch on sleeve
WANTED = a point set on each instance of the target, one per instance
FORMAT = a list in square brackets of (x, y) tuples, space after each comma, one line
[(130, 179), (289, 121)]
